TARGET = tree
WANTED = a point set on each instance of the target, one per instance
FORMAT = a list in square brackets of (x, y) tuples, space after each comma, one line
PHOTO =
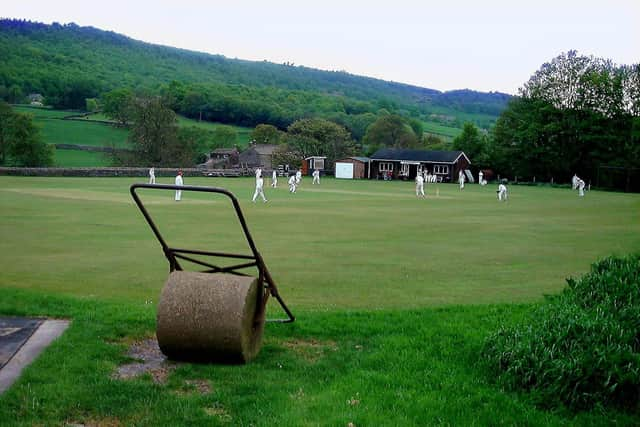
[(418, 129), (92, 105), (472, 143), (154, 133), (391, 130), (286, 155), (318, 137), (20, 141), (266, 134), (224, 136), (6, 115), (574, 114), (194, 144), (119, 105)]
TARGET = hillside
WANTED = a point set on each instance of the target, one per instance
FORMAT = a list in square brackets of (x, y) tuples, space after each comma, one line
[(68, 63)]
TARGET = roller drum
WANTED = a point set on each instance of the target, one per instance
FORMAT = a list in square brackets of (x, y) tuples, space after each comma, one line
[(210, 317)]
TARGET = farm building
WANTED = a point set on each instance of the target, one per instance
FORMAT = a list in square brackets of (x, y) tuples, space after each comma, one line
[(352, 168), (406, 164), (258, 155), (224, 153)]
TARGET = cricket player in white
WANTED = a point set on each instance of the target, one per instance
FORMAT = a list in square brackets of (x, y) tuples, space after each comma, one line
[(292, 184), (274, 179), (298, 178), (480, 178), (461, 179), (574, 182), (152, 176), (502, 192), (419, 185), (580, 184), (259, 189), (316, 177), (180, 183)]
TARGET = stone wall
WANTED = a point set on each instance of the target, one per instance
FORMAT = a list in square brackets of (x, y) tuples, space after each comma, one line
[(97, 172)]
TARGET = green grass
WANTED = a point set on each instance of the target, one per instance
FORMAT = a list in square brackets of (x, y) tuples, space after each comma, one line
[(385, 368), (394, 297), (243, 133), (83, 133), (43, 112), (441, 130), (78, 158), (54, 130), (324, 242)]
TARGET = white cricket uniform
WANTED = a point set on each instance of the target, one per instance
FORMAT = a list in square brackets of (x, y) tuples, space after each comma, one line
[(316, 177), (298, 177), (580, 187), (259, 190), (292, 184), (152, 176), (461, 180), (502, 192), (419, 186), (574, 182), (179, 192), (480, 178), (274, 179)]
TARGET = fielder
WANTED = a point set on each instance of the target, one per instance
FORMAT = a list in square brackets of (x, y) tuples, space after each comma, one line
[(502, 192), (179, 182), (316, 177), (461, 179), (298, 178), (274, 179), (419, 186), (580, 184), (574, 182), (292, 184), (152, 176), (259, 189)]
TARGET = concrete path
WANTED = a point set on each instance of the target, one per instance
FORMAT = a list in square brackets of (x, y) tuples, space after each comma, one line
[(48, 331)]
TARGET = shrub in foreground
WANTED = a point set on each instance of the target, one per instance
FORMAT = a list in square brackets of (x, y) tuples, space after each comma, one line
[(582, 347)]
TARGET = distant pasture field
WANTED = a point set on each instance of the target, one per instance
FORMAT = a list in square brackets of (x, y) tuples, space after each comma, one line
[(343, 244)]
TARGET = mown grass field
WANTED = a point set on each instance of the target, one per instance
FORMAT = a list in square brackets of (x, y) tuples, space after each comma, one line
[(394, 296)]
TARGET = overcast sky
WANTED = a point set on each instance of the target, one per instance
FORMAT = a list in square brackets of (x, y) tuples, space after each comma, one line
[(488, 45)]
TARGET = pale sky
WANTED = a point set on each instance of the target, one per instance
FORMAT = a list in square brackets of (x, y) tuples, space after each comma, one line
[(487, 45)]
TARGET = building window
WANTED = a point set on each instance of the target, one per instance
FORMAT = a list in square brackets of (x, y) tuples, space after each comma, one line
[(318, 164), (386, 167), (404, 170), (441, 169)]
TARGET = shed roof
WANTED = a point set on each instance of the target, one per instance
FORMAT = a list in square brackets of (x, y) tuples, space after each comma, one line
[(360, 159), (418, 155)]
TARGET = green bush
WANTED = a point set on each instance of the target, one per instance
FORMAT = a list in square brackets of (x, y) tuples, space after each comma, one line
[(580, 348)]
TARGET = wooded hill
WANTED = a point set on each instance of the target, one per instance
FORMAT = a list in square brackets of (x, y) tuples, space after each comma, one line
[(68, 63)]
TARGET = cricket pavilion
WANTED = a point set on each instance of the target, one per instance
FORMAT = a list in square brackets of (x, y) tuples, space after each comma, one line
[(407, 164)]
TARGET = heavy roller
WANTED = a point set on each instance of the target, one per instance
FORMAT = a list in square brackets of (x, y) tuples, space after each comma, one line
[(218, 314)]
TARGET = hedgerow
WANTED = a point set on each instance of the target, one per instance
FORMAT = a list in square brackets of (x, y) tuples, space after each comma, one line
[(580, 348)]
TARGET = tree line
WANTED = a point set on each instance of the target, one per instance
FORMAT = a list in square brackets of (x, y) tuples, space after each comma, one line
[(68, 64), (576, 115)]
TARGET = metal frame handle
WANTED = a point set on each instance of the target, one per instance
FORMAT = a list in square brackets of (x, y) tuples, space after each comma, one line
[(174, 254)]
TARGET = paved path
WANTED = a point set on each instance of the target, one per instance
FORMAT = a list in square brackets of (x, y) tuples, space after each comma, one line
[(21, 341)]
